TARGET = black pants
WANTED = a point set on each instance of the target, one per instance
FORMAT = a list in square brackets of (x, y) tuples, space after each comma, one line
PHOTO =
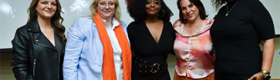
[(226, 76)]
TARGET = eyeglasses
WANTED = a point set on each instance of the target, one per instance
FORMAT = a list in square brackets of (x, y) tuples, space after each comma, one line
[(109, 4)]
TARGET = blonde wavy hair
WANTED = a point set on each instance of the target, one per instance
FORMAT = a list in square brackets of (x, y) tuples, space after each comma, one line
[(117, 14)]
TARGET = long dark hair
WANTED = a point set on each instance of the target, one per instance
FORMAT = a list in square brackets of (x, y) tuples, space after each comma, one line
[(198, 4), (56, 20), (136, 9)]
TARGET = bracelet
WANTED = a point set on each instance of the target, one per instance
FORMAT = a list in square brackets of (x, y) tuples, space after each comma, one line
[(265, 73)]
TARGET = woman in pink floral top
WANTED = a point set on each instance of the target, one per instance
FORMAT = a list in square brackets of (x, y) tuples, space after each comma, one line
[(193, 44)]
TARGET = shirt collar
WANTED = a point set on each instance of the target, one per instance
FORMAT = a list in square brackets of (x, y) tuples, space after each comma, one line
[(114, 21)]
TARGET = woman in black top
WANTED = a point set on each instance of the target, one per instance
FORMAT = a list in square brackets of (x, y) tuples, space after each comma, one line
[(239, 27), (151, 36), (38, 46)]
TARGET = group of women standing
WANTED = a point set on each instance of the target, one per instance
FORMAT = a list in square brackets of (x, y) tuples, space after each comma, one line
[(102, 47)]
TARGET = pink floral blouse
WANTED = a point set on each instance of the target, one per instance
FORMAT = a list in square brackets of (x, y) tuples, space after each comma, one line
[(194, 55)]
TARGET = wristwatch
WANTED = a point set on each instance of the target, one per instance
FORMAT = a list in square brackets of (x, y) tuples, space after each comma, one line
[(266, 74)]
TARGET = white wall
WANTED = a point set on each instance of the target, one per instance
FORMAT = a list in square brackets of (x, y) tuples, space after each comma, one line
[(13, 14), (275, 69)]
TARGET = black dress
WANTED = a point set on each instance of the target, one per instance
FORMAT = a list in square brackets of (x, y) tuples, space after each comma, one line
[(236, 39), (148, 53)]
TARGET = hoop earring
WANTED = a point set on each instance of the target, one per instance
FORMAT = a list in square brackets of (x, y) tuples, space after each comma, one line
[(163, 13), (185, 20), (35, 12)]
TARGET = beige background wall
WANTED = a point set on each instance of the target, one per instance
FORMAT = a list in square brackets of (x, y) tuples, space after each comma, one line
[(5, 68)]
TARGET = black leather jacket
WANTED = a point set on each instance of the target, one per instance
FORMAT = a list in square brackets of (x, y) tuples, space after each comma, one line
[(35, 58)]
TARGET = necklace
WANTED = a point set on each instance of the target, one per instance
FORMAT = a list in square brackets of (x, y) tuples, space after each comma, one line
[(196, 30), (231, 8)]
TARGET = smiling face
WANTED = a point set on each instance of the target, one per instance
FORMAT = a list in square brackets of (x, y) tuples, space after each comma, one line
[(106, 8), (153, 7), (46, 8), (189, 10)]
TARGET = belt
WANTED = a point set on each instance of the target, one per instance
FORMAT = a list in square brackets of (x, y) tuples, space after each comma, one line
[(148, 67)]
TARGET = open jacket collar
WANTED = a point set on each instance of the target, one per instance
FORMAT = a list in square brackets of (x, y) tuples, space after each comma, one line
[(39, 38), (33, 26)]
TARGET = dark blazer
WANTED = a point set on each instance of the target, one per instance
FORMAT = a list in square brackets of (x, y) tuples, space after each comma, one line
[(35, 58)]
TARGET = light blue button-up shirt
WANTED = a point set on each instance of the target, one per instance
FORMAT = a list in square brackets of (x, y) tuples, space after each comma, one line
[(84, 51)]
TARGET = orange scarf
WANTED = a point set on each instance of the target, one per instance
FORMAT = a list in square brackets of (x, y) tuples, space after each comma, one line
[(109, 72)]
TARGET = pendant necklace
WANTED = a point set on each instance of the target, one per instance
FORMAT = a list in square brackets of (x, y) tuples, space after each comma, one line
[(231, 8)]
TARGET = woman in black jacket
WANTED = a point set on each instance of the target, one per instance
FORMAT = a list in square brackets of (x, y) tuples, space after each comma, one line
[(38, 46)]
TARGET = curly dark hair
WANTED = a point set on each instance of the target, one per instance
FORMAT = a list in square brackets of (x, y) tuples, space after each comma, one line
[(56, 20), (198, 4), (136, 10)]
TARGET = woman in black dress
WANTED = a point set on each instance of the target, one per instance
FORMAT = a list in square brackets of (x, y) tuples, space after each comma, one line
[(239, 27), (151, 36)]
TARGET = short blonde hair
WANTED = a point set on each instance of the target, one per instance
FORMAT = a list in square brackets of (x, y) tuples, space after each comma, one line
[(117, 14)]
